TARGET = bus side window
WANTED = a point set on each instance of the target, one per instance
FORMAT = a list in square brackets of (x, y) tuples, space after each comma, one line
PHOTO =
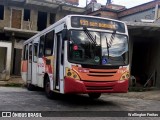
[(35, 52), (49, 42), (41, 46), (25, 52), (30, 53)]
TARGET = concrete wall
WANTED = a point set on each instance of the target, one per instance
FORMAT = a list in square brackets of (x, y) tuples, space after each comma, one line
[(32, 24), (158, 16), (7, 15), (105, 14), (61, 14), (19, 44), (34, 17), (158, 13), (6, 74), (28, 25), (148, 14)]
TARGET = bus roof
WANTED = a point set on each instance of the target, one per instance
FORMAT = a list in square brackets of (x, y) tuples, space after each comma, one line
[(63, 20)]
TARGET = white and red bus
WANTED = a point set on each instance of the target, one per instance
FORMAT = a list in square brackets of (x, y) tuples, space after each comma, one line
[(78, 54)]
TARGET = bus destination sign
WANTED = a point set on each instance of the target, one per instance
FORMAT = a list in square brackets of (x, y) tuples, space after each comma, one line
[(78, 21), (96, 24)]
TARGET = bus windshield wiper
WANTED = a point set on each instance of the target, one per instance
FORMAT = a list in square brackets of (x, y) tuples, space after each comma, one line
[(112, 38), (89, 35), (109, 44)]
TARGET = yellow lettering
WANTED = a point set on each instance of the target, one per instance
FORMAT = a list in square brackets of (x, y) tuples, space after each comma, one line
[(84, 22), (93, 24), (100, 25), (103, 25)]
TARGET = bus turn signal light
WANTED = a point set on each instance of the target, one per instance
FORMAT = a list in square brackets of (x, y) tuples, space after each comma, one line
[(70, 73), (125, 76)]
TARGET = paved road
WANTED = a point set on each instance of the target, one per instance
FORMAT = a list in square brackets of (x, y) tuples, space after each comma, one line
[(20, 99)]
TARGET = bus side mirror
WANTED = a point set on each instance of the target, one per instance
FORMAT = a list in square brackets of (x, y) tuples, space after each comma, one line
[(64, 34)]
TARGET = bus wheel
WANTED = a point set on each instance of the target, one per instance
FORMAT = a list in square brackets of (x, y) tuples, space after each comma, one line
[(48, 91), (30, 87), (94, 95)]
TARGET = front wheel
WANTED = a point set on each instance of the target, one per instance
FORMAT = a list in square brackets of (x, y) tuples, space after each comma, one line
[(94, 95), (47, 88)]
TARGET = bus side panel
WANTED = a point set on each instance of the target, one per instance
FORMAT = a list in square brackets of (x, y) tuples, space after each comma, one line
[(40, 72), (34, 73), (24, 70), (45, 66), (49, 69), (34, 61)]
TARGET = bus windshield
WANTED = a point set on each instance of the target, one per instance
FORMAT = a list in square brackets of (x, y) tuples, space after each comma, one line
[(98, 48)]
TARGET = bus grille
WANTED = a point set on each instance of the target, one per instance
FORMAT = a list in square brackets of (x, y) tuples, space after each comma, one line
[(102, 73), (99, 87)]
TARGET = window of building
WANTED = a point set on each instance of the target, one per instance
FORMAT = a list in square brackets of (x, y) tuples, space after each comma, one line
[(26, 16), (1, 12), (3, 54), (42, 21), (52, 18)]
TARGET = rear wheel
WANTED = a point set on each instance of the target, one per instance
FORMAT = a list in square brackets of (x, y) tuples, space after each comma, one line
[(47, 88), (94, 95), (30, 87)]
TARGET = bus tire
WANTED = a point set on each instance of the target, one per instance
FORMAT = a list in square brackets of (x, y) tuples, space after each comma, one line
[(47, 89), (30, 87), (94, 95)]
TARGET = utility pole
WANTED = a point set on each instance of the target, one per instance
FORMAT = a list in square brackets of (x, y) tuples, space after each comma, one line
[(86, 7), (86, 3), (108, 1)]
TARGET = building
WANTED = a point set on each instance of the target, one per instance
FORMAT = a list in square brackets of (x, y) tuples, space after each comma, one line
[(144, 27), (144, 38), (21, 19), (148, 11), (108, 10)]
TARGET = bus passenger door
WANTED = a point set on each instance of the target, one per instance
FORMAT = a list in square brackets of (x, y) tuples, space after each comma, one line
[(40, 62), (59, 76), (34, 63), (29, 75)]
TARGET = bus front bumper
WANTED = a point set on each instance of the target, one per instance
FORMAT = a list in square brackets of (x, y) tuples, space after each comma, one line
[(78, 86)]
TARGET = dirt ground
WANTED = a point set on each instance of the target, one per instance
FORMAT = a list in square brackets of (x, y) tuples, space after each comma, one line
[(13, 81)]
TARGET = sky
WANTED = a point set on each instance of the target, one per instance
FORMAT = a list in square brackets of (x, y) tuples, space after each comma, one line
[(127, 3)]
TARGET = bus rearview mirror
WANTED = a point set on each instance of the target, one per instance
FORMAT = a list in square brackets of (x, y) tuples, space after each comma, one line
[(64, 34)]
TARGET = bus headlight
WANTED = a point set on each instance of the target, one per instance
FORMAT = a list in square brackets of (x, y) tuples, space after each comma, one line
[(70, 73), (125, 76)]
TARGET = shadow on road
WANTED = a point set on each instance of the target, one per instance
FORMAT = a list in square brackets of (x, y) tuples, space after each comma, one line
[(79, 100)]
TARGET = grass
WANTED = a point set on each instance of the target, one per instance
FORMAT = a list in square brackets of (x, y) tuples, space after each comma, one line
[(136, 89)]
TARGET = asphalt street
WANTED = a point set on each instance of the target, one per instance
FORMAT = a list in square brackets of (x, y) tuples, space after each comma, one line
[(20, 99)]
